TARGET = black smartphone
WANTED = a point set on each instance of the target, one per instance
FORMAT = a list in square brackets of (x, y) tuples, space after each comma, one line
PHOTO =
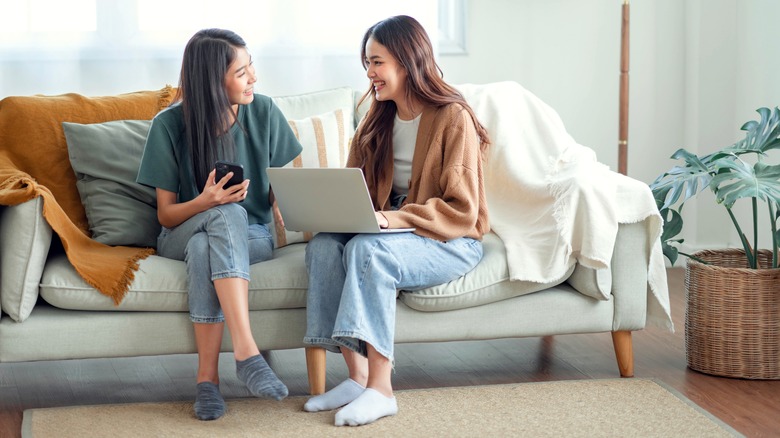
[(224, 167)]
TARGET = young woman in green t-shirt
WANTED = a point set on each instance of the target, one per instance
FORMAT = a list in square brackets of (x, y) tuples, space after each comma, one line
[(218, 230)]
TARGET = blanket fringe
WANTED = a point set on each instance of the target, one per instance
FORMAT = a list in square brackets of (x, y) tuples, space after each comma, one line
[(165, 96), (118, 290), (108, 269)]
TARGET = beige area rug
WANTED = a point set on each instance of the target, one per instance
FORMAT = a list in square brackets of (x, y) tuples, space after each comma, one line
[(587, 408)]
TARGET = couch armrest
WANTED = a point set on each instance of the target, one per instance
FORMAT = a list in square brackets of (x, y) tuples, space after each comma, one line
[(630, 261), (25, 238)]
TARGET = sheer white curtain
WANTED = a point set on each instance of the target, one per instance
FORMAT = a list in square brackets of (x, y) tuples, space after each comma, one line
[(102, 47)]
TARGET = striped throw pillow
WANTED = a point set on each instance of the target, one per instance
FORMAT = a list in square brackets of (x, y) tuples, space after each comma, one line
[(325, 139)]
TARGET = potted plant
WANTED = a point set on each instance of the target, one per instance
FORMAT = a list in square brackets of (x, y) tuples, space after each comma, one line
[(732, 318)]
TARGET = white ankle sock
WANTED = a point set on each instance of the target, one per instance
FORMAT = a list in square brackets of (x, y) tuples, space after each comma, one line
[(337, 397), (369, 407)]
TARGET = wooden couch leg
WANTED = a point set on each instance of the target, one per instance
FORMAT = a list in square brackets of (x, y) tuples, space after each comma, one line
[(624, 352), (315, 365)]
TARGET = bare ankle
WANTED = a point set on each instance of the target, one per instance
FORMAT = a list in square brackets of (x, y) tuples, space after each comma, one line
[(387, 391), (207, 378), (244, 354), (360, 378)]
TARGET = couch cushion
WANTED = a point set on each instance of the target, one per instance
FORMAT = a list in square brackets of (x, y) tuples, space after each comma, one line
[(25, 238), (488, 282), (360, 108), (106, 157), (325, 139), (160, 285), (595, 283), (304, 105)]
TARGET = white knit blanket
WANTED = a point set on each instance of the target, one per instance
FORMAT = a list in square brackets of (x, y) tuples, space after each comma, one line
[(550, 200)]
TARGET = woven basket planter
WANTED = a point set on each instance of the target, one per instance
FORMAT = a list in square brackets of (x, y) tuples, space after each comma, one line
[(732, 318)]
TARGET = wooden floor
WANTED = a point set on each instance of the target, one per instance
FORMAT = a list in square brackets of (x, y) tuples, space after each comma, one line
[(751, 407)]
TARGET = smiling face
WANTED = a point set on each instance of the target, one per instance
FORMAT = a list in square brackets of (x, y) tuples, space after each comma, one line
[(240, 79), (387, 75)]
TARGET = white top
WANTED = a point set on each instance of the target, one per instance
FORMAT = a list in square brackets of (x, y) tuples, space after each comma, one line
[(404, 138)]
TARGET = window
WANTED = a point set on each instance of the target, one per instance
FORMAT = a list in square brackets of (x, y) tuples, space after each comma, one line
[(279, 27), (103, 47), (46, 22), (47, 16), (452, 27), (315, 24)]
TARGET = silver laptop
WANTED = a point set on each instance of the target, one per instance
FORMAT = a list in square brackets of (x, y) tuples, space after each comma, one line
[(334, 200)]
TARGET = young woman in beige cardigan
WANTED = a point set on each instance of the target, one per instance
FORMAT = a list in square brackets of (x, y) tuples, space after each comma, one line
[(420, 147)]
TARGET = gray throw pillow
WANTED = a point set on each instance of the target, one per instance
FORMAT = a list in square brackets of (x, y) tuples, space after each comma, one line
[(106, 157)]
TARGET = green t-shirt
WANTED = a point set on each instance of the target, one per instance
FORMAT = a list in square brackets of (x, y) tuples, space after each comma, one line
[(268, 142)]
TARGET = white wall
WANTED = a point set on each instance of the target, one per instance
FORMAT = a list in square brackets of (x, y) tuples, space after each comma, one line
[(570, 62), (698, 70)]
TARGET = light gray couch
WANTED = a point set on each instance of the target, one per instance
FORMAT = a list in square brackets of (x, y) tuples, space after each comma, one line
[(50, 313)]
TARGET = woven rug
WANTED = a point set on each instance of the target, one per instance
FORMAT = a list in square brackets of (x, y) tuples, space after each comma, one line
[(587, 408)]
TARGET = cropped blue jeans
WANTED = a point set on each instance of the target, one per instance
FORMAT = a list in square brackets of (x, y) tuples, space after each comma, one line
[(354, 281), (217, 243)]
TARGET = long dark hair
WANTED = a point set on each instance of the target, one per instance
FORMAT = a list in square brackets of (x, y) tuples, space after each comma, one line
[(406, 39), (204, 101)]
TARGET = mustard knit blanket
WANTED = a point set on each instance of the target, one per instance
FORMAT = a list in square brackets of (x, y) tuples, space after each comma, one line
[(34, 162)]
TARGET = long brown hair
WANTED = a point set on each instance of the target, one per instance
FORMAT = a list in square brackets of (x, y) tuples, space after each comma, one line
[(204, 101), (406, 40)]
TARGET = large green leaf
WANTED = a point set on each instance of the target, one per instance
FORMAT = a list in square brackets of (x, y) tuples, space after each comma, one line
[(670, 252), (725, 174), (673, 224), (688, 179), (672, 227), (760, 181), (762, 136)]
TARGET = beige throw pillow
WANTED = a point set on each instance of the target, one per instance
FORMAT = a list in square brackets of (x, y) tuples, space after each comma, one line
[(325, 139)]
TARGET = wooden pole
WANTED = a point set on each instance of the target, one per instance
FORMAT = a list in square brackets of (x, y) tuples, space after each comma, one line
[(623, 120)]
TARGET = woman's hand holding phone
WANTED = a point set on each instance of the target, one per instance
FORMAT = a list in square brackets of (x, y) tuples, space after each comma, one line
[(224, 168), (219, 191)]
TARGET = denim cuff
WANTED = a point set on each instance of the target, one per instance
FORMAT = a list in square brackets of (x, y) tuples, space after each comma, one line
[(230, 274), (206, 319), (326, 343), (357, 343)]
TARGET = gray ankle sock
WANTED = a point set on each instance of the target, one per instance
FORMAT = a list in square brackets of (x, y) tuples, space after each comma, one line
[(209, 404), (260, 379)]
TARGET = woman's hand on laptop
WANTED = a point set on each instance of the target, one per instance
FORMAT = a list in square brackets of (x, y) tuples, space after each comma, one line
[(381, 220)]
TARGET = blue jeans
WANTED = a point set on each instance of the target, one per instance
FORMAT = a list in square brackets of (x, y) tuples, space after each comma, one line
[(217, 243), (354, 279)]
